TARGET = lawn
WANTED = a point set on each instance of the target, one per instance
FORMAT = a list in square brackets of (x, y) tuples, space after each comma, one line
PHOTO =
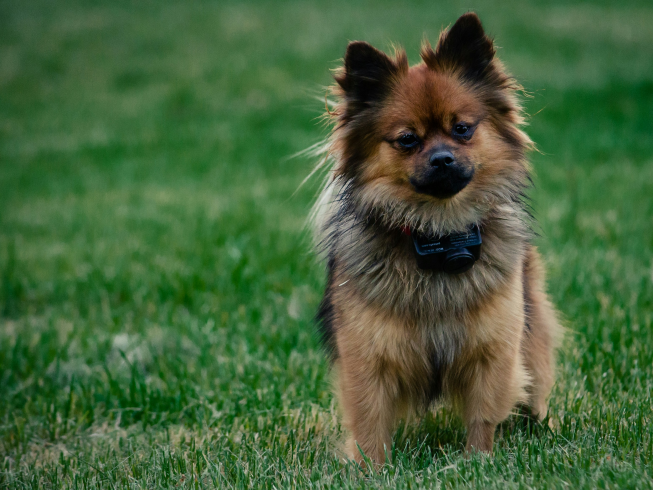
[(157, 287)]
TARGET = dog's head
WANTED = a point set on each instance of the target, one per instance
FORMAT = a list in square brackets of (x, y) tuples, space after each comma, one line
[(441, 134)]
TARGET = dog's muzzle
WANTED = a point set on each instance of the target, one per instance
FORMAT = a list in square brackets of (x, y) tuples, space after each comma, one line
[(443, 177)]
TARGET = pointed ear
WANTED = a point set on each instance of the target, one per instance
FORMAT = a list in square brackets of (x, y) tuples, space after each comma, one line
[(464, 45), (367, 73)]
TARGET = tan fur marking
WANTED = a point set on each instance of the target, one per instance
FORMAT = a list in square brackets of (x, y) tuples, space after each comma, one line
[(542, 338), (381, 361)]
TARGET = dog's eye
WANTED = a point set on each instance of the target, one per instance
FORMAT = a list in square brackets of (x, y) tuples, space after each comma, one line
[(461, 129), (408, 140)]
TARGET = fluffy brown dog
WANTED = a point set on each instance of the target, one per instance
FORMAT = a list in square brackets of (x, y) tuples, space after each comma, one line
[(430, 152)]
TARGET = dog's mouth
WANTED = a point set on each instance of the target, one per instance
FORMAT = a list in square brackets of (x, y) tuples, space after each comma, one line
[(443, 183)]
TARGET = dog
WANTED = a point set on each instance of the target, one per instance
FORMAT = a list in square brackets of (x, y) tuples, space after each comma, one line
[(434, 290)]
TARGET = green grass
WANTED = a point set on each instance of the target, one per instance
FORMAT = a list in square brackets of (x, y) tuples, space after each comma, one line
[(157, 290)]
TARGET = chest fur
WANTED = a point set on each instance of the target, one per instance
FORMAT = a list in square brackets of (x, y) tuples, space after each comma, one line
[(382, 268)]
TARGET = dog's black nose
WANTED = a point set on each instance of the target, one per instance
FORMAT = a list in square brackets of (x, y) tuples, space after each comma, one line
[(441, 158)]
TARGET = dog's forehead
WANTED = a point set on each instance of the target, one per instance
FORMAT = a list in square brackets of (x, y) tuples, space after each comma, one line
[(425, 98)]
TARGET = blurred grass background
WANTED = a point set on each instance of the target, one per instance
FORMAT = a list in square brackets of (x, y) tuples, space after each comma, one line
[(157, 289)]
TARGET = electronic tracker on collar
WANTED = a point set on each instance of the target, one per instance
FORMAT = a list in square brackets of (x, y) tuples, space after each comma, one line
[(453, 253)]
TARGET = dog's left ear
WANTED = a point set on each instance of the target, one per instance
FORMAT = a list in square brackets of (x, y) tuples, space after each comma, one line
[(367, 74), (464, 45)]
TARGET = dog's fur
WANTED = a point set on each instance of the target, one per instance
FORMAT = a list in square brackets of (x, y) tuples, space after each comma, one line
[(402, 338)]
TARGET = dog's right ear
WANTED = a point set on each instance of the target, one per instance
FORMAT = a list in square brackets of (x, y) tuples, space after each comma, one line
[(465, 45), (367, 74)]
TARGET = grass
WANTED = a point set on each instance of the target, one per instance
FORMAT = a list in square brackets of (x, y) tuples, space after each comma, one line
[(157, 290)]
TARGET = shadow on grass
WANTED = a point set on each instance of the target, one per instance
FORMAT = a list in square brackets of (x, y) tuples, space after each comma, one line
[(431, 437), (443, 435)]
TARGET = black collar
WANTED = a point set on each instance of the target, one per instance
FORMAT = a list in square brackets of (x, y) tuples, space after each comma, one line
[(453, 253)]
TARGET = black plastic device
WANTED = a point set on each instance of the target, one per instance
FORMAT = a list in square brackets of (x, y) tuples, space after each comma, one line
[(453, 253)]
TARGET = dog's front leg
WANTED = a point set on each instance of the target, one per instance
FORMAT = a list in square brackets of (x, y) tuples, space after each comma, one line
[(493, 381), (372, 346), (369, 401), (489, 377)]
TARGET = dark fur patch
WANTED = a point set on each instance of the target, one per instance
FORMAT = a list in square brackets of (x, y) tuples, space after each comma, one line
[(466, 45), (367, 70), (434, 389), (367, 76), (325, 316)]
